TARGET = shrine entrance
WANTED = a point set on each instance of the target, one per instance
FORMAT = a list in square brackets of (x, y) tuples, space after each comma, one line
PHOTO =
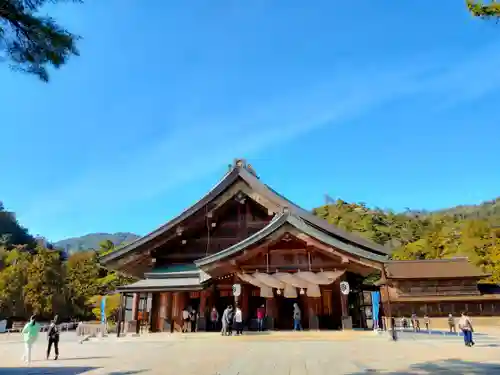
[(284, 313)]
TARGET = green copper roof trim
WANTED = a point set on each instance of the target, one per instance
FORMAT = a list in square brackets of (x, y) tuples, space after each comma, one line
[(189, 267)]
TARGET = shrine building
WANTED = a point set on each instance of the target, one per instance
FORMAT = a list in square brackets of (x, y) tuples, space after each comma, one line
[(245, 235)]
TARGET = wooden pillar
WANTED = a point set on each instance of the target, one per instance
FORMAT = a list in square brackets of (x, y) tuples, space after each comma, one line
[(135, 311), (245, 296), (135, 306), (168, 312), (313, 311), (344, 305), (162, 297), (121, 314), (202, 313), (327, 309), (270, 312), (155, 312), (180, 301)]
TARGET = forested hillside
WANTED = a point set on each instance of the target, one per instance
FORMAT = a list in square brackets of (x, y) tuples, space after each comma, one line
[(37, 279), (471, 231)]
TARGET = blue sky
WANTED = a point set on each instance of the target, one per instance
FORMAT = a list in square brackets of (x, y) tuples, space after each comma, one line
[(388, 103)]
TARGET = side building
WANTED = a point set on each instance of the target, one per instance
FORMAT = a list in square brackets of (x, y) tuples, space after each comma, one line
[(243, 232)]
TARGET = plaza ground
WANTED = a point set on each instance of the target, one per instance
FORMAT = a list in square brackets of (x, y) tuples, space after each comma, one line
[(287, 353)]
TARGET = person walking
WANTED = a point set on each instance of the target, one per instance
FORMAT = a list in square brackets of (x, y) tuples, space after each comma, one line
[(194, 320), (394, 333), (261, 313), (238, 321), (451, 323), (186, 321), (414, 322), (53, 338), (230, 320), (30, 334), (224, 321), (427, 323), (214, 318), (297, 317), (465, 324)]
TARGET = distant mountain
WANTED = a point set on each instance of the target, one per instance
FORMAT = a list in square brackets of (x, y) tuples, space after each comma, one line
[(92, 241)]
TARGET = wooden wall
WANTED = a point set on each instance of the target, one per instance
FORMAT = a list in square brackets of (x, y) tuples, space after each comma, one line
[(442, 309), (414, 288), (229, 225)]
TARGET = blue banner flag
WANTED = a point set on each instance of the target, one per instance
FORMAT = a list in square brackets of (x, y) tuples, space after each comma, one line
[(103, 309), (375, 308)]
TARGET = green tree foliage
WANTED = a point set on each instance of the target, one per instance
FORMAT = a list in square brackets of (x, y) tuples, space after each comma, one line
[(32, 41), (44, 291), (13, 278), (82, 273), (484, 9), (43, 282), (471, 231), (111, 307), (11, 232)]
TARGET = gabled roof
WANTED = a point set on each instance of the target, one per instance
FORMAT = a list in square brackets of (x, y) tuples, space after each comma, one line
[(432, 269), (241, 171), (297, 222)]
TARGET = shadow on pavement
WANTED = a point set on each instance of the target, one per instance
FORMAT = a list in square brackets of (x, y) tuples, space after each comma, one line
[(46, 370), (77, 370), (79, 358), (449, 367)]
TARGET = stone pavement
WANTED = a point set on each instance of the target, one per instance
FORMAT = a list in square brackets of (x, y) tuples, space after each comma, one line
[(285, 353)]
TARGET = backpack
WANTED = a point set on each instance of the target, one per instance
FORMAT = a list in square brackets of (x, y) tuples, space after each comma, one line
[(53, 331)]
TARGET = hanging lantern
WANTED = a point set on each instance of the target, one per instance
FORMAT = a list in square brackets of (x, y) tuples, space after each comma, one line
[(302, 291), (278, 291)]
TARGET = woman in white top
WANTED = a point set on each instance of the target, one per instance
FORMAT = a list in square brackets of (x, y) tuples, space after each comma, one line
[(238, 321), (465, 324)]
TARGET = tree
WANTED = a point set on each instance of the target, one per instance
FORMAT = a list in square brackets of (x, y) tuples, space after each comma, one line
[(110, 309), (32, 42), (44, 291), (82, 274), (489, 9), (11, 232), (13, 278)]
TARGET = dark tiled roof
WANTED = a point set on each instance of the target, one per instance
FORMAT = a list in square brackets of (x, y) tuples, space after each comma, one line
[(249, 177), (432, 269)]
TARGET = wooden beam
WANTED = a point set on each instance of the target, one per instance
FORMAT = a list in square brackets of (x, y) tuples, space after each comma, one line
[(346, 258)]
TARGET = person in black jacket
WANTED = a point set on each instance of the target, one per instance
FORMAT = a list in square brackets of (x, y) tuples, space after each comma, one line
[(53, 338)]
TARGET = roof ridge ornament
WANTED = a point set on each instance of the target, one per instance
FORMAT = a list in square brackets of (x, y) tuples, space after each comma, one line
[(242, 163)]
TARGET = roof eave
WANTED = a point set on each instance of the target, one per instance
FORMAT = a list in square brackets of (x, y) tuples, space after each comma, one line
[(228, 179)]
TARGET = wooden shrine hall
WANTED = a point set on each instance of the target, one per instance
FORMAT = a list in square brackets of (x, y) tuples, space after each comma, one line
[(243, 232)]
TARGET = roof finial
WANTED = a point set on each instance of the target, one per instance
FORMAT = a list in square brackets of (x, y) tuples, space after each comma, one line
[(242, 163), (239, 163)]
